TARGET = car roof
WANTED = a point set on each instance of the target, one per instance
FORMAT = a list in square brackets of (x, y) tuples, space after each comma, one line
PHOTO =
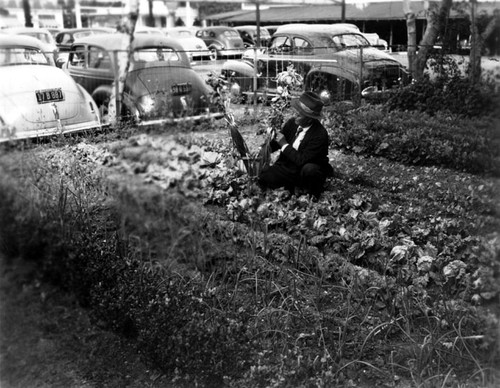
[(302, 28), (8, 40), (117, 41), (217, 28), (83, 29), (148, 29), (248, 27), (26, 29), (177, 29)]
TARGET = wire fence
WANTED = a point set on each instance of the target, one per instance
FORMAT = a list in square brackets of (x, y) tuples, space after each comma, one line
[(174, 82), (335, 73)]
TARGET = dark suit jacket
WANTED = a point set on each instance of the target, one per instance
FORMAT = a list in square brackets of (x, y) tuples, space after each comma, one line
[(312, 149)]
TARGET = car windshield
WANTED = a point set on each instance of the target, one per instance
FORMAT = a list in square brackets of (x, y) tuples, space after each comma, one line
[(350, 40), (22, 56), (155, 54)]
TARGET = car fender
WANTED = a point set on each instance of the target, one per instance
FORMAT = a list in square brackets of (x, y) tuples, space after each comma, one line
[(239, 68), (91, 104), (332, 71), (240, 75), (216, 46)]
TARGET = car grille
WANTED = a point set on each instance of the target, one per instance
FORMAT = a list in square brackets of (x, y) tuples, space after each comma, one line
[(385, 77)]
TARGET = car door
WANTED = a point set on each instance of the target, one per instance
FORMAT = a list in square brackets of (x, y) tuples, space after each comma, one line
[(100, 66), (302, 55), (77, 65), (280, 57)]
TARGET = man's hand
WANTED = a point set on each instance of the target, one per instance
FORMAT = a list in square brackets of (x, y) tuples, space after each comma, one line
[(271, 133), (281, 140)]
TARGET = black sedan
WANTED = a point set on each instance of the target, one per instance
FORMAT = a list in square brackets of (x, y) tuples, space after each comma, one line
[(336, 62), (150, 82)]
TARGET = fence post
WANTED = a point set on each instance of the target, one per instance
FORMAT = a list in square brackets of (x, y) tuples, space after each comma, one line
[(360, 73), (118, 95), (255, 76)]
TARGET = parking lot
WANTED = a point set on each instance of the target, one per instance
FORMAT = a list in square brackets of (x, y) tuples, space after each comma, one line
[(92, 80)]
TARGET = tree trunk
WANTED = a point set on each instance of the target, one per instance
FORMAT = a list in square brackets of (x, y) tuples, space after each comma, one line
[(477, 42), (412, 36), (435, 19)]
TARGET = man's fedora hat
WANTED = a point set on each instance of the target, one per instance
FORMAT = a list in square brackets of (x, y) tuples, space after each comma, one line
[(308, 104)]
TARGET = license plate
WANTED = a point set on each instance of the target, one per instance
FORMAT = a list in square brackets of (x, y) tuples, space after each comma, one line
[(179, 89), (49, 95)]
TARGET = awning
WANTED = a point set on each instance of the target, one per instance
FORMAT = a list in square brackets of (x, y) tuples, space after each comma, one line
[(389, 10)]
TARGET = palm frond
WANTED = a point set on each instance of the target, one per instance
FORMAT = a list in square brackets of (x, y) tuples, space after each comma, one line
[(264, 157), (238, 141)]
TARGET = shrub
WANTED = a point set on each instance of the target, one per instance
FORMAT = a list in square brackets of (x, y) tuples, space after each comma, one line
[(415, 138), (455, 95)]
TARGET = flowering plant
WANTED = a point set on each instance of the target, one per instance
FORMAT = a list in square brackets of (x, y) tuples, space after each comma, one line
[(287, 81)]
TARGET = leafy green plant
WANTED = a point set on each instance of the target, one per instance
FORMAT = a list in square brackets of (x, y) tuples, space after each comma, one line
[(447, 92), (416, 139)]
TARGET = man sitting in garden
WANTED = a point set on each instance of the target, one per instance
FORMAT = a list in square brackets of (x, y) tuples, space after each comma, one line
[(303, 163)]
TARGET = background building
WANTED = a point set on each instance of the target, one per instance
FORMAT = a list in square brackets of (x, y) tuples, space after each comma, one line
[(386, 18), (44, 13), (91, 13)]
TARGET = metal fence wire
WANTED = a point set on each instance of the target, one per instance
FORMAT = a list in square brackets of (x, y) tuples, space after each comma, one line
[(336, 75), (174, 82)]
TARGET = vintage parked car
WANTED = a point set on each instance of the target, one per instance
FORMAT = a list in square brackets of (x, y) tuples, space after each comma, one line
[(160, 85), (376, 41), (195, 48), (224, 42), (147, 30), (272, 28), (37, 99), (65, 38), (337, 62), (249, 36), (42, 34)]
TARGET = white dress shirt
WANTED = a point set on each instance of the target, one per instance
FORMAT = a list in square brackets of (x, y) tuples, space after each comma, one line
[(299, 136)]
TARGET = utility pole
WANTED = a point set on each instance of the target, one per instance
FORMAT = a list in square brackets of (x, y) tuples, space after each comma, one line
[(78, 14), (27, 14), (151, 19)]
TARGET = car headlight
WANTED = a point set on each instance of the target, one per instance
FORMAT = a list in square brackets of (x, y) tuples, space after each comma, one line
[(235, 89), (147, 104)]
